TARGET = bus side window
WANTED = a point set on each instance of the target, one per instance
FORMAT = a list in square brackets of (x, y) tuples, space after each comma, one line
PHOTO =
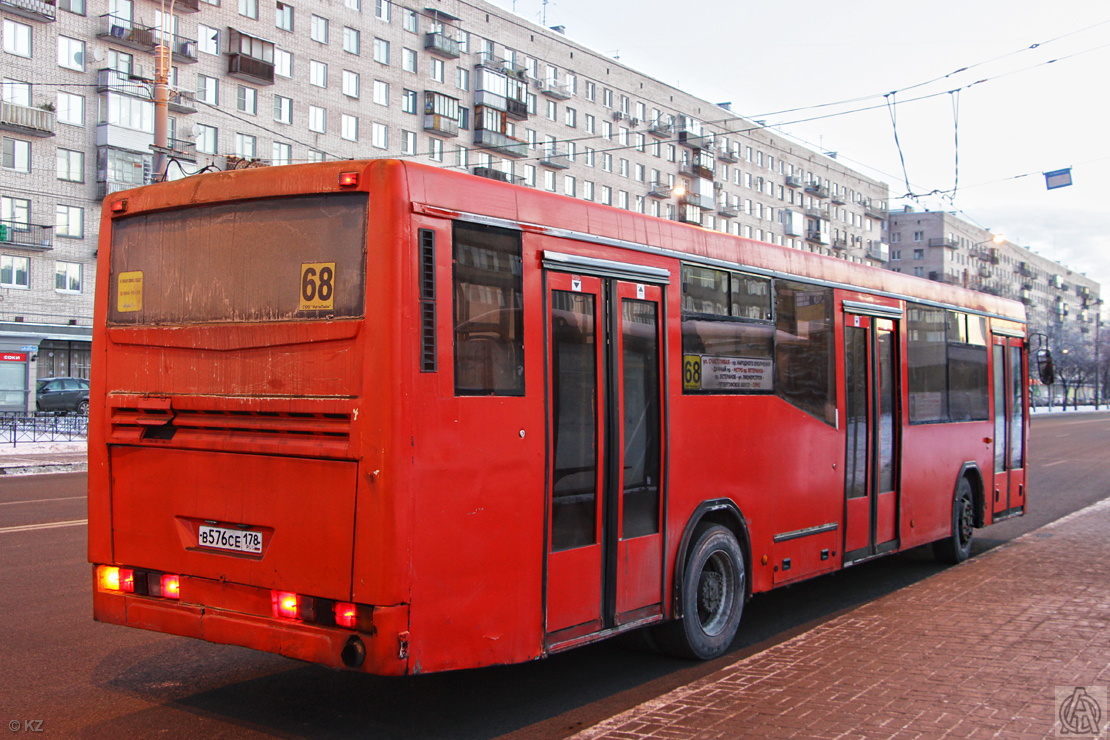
[(488, 311)]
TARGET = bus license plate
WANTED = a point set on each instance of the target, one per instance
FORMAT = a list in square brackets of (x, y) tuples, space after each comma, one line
[(235, 540)]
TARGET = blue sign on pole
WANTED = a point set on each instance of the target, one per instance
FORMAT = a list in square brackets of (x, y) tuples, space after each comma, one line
[(1057, 178)]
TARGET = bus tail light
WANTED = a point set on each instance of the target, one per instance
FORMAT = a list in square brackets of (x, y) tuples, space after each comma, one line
[(346, 615), (348, 179), (171, 586), (289, 605), (119, 206), (111, 578)]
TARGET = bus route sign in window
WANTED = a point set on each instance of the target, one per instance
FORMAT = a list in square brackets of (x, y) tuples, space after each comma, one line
[(269, 260)]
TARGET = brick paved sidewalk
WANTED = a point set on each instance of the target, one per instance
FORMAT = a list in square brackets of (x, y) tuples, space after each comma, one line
[(975, 651)]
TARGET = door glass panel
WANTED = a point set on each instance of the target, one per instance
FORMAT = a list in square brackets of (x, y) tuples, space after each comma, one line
[(855, 372), (574, 411), (885, 336), (1017, 413), (640, 381), (999, 408)]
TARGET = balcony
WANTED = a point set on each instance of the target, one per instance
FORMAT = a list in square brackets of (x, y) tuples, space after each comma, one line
[(26, 236), (875, 210), (817, 211), (697, 168), (696, 140), (127, 33), (184, 50), (728, 211), (703, 202), (183, 101), (110, 80), (554, 159), (840, 243), (662, 129), (491, 173), (838, 198), (817, 189), (816, 236), (659, 190), (1024, 270), (793, 181), (988, 254), (554, 90), (441, 45), (728, 155), (689, 214), (35, 10), (516, 109), (119, 137), (879, 251), (250, 68), (27, 121), (182, 149), (499, 142), (944, 242), (442, 125), (183, 6)]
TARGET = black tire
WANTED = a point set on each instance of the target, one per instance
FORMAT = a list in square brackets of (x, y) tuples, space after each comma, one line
[(714, 587), (957, 546), (83, 407)]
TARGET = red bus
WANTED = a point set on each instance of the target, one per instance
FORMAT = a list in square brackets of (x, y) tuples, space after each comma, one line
[(399, 419)]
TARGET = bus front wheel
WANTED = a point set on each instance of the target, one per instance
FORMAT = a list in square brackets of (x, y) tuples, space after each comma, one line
[(713, 590), (957, 547)]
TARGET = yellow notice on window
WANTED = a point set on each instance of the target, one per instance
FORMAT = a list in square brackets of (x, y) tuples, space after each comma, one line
[(129, 291), (317, 286), (691, 372)]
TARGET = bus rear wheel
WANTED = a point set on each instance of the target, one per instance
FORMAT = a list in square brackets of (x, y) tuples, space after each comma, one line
[(957, 547), (714, 586)]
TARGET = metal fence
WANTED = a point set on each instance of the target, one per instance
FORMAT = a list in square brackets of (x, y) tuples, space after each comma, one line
[(18, 428)]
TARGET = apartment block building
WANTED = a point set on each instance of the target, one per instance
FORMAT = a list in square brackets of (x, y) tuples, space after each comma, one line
[(941, 246)]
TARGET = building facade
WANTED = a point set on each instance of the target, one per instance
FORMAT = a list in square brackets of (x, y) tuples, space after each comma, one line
[(940, 246)]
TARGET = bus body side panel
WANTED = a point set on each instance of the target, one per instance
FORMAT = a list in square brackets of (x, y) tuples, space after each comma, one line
[(933, 455)]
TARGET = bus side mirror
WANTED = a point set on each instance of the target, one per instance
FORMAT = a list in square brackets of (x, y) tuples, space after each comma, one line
[(1044, 367)]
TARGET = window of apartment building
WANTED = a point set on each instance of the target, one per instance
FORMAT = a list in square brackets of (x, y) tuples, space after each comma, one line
[(919, 236), (408, 142), (125, 167), (408, 101), (350, 83), (15, 212), (919, 272), (408, 60), (246, 146), (281, 153), (283, 63), (349, 127), (435, 149), (410, 21), (15, 272), (588, 156), (71, 165), (895, 254), (379, 135), (120, 61), (249, 8), (570, 186), (207, 139), (381, 92), (283, 109), (315, 155), (919, 254), (590, 124), (352, 41), (606, 130), (318, 29), (77, 7), (15, 92), (623, 167), (552, 110), (70, 109), (382, 10), (208, 89), (381, 51), (67, 277), (570, 116), (317, 119), (317, 73), (16, 155), (549, 183), (69, 221), (353, 4), (462, 78), (462, 157), (436, 72), (208, 39), (246, 100), (607, 161), (71, 53), (591, 95), (284, 16), (17, 38)]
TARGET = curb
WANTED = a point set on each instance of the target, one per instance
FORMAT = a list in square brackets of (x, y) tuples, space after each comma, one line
[(35, 468)]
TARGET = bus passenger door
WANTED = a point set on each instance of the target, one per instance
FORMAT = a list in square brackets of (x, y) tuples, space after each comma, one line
[(1009, 426), (872, 426), (604, 559)]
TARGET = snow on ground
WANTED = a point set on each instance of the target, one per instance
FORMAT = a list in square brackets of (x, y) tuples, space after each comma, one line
[(41, 448)]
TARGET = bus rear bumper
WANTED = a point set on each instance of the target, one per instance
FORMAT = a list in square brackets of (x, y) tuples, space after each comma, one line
[(382, 650)]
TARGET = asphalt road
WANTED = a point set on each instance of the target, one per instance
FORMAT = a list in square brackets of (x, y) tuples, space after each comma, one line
[(67, 675)]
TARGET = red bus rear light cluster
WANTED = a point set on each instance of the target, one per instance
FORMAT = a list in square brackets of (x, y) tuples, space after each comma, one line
[(348, 179), (141, 582), (324, 612)]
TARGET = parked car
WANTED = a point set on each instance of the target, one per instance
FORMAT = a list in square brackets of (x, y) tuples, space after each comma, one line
[(63, 394)]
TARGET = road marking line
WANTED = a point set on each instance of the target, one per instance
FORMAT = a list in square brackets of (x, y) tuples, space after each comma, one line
[(1058, 462), (46, 525), (40, 500)]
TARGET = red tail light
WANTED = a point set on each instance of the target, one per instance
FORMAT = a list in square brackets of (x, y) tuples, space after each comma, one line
[(111, 578), (348, 179), (346, 615), (289, 605), (119, 206), (171, 586)]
